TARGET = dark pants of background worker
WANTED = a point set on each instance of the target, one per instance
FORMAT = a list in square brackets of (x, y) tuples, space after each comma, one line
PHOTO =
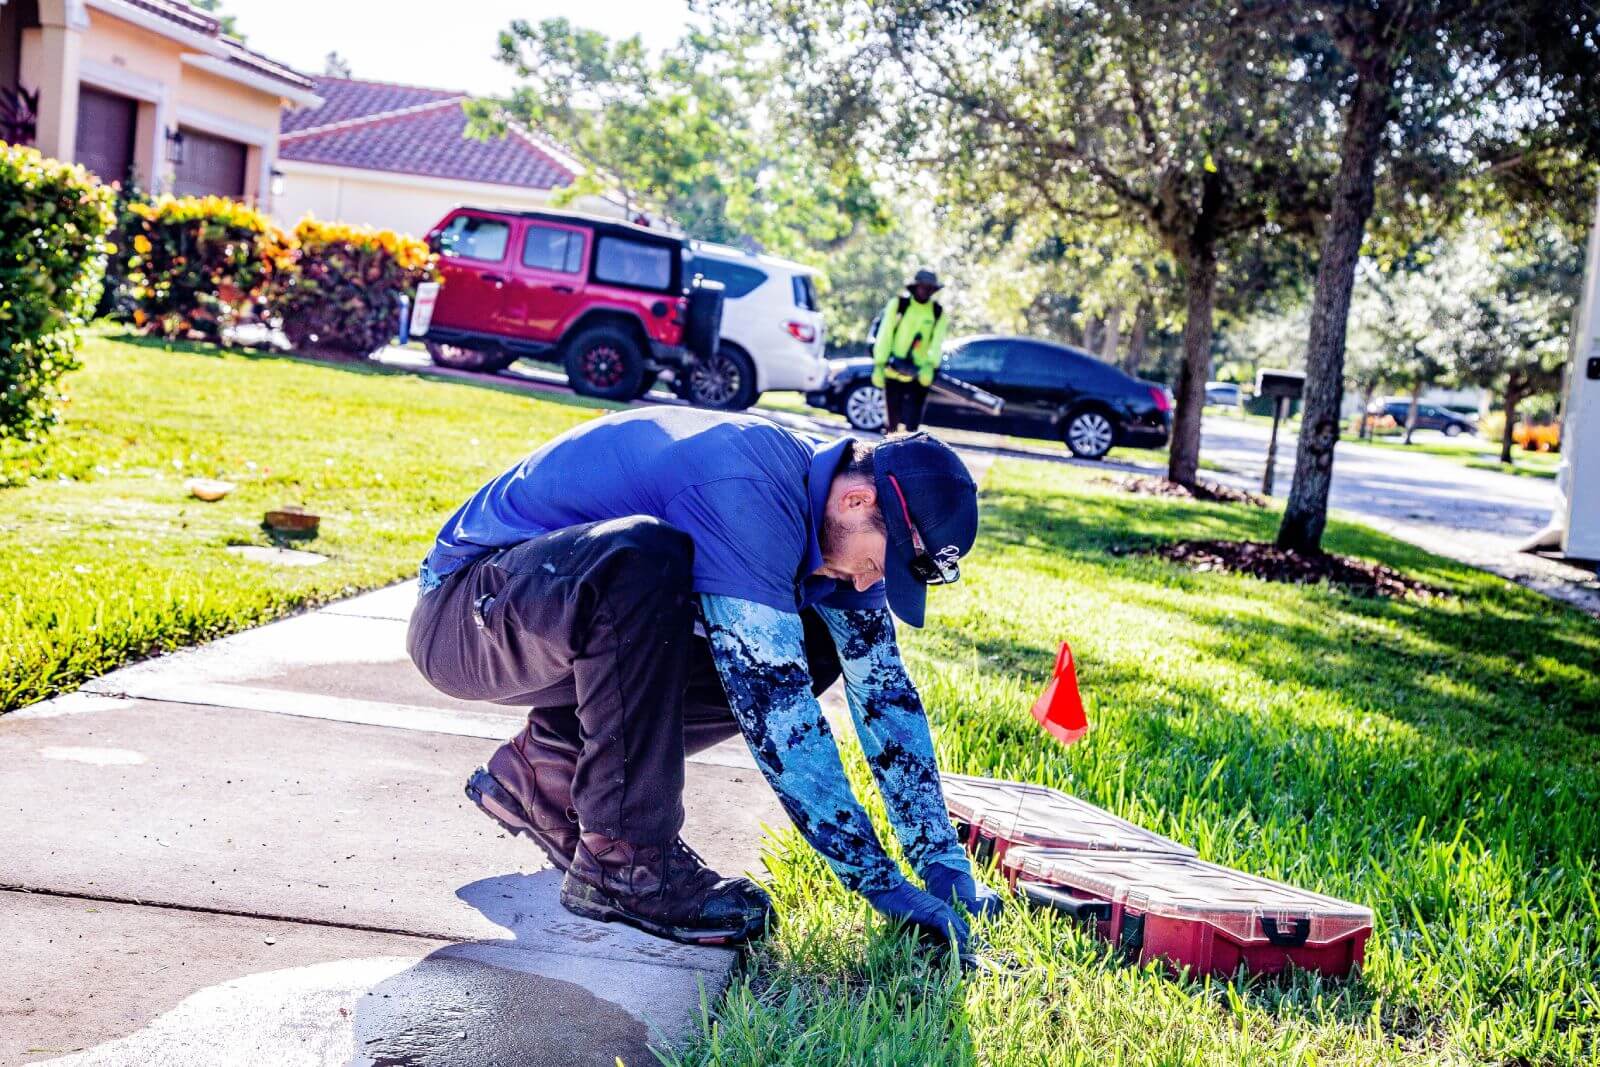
[(903, 402), (593, 627)]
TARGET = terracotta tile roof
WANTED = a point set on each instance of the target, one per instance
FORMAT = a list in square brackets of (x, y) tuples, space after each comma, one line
[(411, 130), (241, 56), (197, 21), (190, 18)]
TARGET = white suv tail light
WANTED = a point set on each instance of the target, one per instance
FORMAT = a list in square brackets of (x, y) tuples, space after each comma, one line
[(803, 332)]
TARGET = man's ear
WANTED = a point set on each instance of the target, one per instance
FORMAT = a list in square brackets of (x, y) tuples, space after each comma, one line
[(860, 495)]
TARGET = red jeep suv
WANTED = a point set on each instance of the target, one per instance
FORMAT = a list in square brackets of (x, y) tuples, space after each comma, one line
[(608, 300)]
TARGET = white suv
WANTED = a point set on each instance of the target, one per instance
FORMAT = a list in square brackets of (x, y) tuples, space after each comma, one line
[(771, 329)]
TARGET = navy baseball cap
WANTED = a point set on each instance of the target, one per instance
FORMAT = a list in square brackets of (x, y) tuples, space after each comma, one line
[(930, 506)]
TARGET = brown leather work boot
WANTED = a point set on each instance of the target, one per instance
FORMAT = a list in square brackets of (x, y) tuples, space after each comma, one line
[(527, 789), (669, 892)]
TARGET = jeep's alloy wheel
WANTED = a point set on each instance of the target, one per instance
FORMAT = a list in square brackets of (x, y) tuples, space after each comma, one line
[(604, 361), (602, 367)]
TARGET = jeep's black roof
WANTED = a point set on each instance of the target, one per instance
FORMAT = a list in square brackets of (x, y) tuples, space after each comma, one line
[(598, 223)]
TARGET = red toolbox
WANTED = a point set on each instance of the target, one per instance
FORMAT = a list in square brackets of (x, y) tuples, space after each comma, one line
[(1190, 913), (991, 815)]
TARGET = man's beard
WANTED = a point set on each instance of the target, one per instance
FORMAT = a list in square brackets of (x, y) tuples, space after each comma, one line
[(835, 531)]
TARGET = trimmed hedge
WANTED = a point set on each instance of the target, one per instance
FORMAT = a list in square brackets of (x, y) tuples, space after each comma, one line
[(338, 288), (54, 219), (197, 265)]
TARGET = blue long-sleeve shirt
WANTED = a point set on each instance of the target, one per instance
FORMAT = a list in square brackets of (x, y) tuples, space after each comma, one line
[(760, 654)]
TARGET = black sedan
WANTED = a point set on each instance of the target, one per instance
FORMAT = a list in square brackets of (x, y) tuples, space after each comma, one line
[(1429, 417), (1050, 390)]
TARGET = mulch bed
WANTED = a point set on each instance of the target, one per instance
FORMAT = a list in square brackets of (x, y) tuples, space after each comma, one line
[(1273, 564), (1143, 485)]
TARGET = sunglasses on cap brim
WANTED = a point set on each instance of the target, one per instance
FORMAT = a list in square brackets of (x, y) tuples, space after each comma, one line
[(925, 566)]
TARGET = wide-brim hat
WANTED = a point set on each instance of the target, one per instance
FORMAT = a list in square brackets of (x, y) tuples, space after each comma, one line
[(925, 277)]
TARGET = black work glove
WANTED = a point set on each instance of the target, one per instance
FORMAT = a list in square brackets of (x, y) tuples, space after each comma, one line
[(908, 904), (957, 885)]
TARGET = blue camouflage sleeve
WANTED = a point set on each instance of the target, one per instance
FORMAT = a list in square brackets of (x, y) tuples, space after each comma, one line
[(760, 654), (893, 728)]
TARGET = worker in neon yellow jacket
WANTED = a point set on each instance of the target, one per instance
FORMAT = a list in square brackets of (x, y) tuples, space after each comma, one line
[(905, 356)]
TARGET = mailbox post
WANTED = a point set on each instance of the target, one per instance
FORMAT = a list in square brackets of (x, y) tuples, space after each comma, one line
[(1284, 387)]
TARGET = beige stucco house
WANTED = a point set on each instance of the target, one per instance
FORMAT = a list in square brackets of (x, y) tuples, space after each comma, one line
[(150, 89), (399, 157)]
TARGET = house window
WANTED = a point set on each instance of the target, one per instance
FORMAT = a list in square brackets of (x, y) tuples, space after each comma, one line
[(549, 248)]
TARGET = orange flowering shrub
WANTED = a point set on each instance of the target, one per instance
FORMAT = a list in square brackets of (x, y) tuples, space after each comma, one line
[(196, 264), (1537, 438), (339, 287)]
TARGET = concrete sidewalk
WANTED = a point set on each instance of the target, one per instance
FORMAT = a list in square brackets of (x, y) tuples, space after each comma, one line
[(258, 851)]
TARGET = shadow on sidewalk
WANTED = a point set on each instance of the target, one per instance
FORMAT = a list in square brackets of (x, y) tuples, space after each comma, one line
[(495, 1002)]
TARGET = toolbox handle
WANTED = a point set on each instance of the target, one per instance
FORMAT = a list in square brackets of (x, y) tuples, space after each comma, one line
[(1073, 906), (1293, 937)]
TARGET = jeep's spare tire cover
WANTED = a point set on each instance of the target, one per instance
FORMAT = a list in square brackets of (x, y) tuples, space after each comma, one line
[(703, 333)]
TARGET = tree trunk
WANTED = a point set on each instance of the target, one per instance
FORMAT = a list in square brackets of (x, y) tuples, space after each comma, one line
[(1136, 343), (1363, 417), (1113, 337), (1512, 400), (1411, 411), (1200, 290), (1306, 514)]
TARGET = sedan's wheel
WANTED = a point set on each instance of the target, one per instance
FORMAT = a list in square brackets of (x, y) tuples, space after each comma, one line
[(726, 380), (458, 358), (605, 362), (1452, 430), (1089, 435), (863, 407)]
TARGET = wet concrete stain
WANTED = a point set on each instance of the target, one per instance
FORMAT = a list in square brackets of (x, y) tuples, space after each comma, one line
[(527, 1001), (450, 1011)]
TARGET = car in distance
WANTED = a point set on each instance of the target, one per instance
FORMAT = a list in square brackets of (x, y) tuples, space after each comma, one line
[(772, 332), (1223, 394), (1051, 391), (609, 301), (1429, 417)]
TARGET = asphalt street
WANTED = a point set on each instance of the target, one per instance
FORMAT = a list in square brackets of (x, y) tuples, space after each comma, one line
[(1476, 516)]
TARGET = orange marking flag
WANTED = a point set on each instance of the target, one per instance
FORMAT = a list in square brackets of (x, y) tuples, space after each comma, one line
[(1059, 708)]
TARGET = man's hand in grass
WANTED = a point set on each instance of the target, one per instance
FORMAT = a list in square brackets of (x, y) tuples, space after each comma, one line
[(956, 884), (908, 904)]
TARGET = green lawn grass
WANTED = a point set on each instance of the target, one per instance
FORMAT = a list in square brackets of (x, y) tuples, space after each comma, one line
[(105, 558), (1437, 761), (1474, 452)]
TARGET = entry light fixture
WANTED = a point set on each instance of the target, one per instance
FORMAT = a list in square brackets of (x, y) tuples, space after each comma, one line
[(275, 186), (175, 145)]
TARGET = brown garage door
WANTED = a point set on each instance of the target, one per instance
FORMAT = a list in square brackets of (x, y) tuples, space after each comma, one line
[(212, 166), (105, 133)]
